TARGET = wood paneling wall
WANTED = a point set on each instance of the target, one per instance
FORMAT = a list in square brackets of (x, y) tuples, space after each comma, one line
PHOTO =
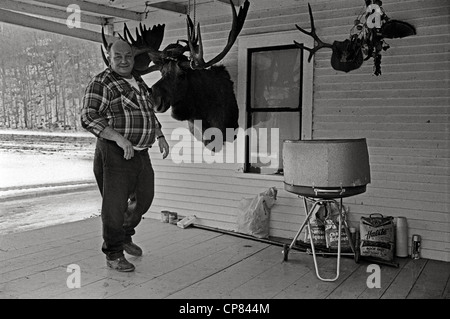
[(404, 114)]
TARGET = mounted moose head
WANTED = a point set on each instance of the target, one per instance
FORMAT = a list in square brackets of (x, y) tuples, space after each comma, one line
[(196, 90), (367, 42)]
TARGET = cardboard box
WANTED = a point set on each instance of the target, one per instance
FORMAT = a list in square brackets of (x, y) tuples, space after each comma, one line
[(185, 222)]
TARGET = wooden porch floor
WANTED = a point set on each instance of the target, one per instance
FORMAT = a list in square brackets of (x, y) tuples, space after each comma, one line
[(195, 263)]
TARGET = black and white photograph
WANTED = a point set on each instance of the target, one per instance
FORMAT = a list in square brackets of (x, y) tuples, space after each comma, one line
[(225, 157)]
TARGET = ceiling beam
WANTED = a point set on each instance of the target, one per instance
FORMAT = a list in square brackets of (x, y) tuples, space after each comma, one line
[(167, 6), (96, 8), (236, 3), (47, 12), (50, 26)]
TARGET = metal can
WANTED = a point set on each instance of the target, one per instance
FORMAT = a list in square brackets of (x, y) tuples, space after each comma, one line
[(415, 246), (173, 218), (165, 216)]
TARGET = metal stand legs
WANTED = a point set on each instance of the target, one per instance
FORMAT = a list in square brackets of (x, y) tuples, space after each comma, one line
[(312, 212)]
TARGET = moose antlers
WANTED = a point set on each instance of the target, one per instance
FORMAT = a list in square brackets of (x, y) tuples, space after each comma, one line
[(147, 42), (146, 46), (197, 49)]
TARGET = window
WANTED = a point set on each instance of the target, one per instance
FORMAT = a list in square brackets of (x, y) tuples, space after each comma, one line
[(273, 105), (276, 89)]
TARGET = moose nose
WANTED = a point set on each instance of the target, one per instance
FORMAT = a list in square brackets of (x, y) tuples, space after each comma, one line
[(155, 102), (159, 104)]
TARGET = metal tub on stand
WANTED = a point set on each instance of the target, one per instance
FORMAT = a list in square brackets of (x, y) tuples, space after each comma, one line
[(324, 172)]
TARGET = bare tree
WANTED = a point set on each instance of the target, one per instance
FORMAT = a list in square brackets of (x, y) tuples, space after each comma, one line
[(42, 77)]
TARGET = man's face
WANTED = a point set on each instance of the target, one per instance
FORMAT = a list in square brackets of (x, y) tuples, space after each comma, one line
[(122, 58)]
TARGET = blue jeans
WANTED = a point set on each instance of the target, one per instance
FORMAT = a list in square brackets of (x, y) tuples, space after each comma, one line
[(127, 189)]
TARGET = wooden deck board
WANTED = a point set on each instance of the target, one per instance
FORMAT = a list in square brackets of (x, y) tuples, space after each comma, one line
[(446, 293), (195, 263), (221, 284), (192, 265), (405, 280), (271, 282), (432, 281), (308, 286), (388, 275), (153, 263)]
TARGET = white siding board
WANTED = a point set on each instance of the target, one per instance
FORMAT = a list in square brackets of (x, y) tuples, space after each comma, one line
[(384, 127), (385, 175), (430, 200), (363, 208), (405, 104), (404, 77), (424, 153), (223, 191), (363, 86), (385, 111), (353, 133), (402, 203), (440, 189)]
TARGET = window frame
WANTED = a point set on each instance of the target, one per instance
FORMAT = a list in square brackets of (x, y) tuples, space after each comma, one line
[(272, 41)]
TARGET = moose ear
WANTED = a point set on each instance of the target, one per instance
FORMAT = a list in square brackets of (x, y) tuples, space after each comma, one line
[(106, 57), (397, 29), (141, 62)]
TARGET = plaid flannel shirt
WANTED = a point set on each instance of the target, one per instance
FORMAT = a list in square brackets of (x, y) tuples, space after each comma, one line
[(110, 100)]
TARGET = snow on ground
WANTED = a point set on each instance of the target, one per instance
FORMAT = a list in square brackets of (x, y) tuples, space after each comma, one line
[(47, 133), (39, 157), (42, 211), (18, 169), (31, 166)]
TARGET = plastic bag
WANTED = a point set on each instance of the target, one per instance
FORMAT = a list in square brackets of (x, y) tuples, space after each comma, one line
[(317, 224), (332, 228), (332, 235), (325, 227), (253, 215)]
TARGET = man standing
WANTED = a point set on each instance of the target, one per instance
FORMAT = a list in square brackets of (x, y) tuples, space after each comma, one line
[(117, 110)]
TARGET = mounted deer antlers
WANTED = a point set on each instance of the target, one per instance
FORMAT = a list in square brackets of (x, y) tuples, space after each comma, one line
[(314, 35), (366, 43), (347, 55)]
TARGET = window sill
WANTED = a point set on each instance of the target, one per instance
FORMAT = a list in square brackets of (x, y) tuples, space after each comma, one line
[(254, 176)]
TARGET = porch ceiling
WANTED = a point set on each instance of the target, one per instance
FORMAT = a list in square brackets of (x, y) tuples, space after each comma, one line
[(51, 15)]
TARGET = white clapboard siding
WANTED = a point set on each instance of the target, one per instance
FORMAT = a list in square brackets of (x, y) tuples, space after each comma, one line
[(404, 114)]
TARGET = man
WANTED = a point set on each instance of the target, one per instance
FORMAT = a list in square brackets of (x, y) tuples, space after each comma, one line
[(117, 110)]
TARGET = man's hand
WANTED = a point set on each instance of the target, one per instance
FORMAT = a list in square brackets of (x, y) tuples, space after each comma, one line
[(109, 134), (128, 150), (163, 146)]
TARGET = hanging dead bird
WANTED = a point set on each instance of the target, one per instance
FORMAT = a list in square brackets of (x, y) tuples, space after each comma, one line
[(392, 29), (366, 39)]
